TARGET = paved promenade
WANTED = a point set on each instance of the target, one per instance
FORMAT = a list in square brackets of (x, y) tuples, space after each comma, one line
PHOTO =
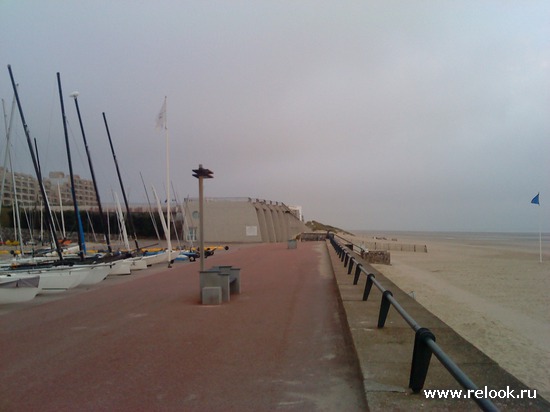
[(298, 338), (143, 342)]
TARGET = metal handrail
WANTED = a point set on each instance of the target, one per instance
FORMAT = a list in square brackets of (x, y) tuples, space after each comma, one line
[(424, 343)]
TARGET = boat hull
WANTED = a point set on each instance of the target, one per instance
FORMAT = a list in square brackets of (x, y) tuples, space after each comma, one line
[(98, 273), (58, 279), (138, 263), (161, 257), (120, 267), (16, 290)]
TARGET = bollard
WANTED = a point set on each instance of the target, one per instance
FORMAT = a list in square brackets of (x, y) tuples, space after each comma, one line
[(421, 359)]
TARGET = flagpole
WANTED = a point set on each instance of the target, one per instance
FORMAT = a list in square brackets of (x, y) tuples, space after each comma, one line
[(162, 123), (169, 240), (536, 201), (540, 235)]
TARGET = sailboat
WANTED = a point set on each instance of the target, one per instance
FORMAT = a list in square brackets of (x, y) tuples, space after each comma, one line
[(74, 95), (164, 255), (36, 167), (81, 243), (14, 289), (53, 278), (169, 254)]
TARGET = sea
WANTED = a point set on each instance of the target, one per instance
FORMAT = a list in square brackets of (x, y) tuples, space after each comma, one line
[(521, 240)]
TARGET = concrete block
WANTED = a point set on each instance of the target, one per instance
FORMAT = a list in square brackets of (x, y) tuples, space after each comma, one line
[(235, 280), (211, 295), (234, 275), (213, 278)]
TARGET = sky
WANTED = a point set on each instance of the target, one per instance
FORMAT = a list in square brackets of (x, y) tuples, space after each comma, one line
[(427, 115)]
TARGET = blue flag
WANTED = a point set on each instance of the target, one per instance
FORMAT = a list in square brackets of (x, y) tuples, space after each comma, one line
[(535, 200)]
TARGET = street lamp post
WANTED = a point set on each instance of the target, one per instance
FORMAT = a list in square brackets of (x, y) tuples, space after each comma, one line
[(202, 174)]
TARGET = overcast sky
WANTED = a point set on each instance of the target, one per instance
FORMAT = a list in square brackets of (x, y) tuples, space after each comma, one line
[(396, 115)]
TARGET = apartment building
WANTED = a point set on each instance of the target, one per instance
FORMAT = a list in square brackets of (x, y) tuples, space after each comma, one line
[(57, 186)]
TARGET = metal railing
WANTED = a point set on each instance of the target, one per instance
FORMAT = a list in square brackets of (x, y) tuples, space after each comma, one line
[(424, 342)]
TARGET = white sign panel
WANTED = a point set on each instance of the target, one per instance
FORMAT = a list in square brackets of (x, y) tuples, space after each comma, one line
[(252, 231)]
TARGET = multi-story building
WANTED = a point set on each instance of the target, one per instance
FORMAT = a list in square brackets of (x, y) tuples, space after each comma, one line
[(243, 220), (57, 186)]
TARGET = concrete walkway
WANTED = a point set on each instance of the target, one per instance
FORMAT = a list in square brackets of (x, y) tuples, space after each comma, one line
[(385, 355), (144, 343)]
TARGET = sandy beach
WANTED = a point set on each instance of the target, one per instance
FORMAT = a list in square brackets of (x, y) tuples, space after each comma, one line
[(490, 288)]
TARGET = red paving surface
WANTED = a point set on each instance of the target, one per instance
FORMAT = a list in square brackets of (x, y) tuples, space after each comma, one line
[(144, 343)]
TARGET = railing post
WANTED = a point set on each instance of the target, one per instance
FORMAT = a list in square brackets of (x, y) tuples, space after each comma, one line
[(421, 359), (350, 267), (357, 273), (368, 286), (346, 259), (384, 308)]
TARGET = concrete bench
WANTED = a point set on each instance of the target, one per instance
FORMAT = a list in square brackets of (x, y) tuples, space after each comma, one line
[(227, 278), (211, 295)]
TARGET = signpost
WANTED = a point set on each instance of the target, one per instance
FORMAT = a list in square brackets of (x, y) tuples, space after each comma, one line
[(202, 174)]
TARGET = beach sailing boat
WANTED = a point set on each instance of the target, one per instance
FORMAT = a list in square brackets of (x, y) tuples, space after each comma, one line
[(14, 289), (166, 255), (129, 215), (51, 278), (49, 220), (163, 125), (74, 95), (81, 243)]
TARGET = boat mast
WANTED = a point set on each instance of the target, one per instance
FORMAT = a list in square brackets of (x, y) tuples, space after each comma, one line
[(16, 212), (101, 215), (81, 244), (54, 217), (7, 126), (161, 215), (36, 168), (121, 224), (63, 232), (150, 212), (130, 220)]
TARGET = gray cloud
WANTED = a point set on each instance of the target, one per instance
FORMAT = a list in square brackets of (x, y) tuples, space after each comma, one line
[(379, 115)]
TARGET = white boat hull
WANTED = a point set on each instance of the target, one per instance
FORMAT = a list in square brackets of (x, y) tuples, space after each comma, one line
[(15, 290), (120, 267), (161, 257), (98, 273), (138, 263), (60, 279)]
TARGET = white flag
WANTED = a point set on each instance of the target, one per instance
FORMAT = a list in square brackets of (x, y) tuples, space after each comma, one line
[(161, 118)]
